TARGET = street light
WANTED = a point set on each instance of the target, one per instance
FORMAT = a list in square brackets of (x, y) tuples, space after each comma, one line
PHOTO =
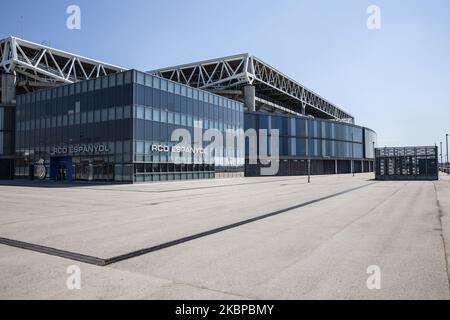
[(442, 162), (353, 160), (309, 170), (446, 139), (373, 163), (308, 162)]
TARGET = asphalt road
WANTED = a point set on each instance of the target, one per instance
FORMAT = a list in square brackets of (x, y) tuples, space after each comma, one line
[(285, 239)]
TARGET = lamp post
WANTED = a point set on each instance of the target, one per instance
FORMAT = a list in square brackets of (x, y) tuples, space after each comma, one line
[(373, 163), (308, 161), (442, 162), (353, 160), (446, 139), (309, 170)]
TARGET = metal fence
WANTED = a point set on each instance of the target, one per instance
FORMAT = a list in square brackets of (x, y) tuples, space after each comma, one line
[(406, 163)]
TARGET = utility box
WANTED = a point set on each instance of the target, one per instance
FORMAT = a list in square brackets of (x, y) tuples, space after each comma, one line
[(406, 163)]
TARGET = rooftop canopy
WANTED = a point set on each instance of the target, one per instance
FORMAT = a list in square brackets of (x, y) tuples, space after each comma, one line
[(36, 65), (235, 72)]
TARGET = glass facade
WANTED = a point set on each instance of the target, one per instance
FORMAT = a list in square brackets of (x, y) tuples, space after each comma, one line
[(161, 107), (370, 142), (122, 128), (311, 138), (104, 129), (330, 145)]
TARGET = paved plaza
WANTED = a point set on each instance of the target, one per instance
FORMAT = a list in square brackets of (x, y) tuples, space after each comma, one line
[(241, 238)]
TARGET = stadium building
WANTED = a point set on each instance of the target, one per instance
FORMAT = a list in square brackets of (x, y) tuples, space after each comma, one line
[(67, 117)]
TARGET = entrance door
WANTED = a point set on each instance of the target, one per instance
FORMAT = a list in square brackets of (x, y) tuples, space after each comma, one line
[(61, 169)]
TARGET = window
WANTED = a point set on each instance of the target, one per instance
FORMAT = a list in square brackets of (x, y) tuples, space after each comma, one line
[(77, 107), (140, 78), (170, 116), (90, 117), (148, 80), (170, 87), (84, 87), (119, 113), (164, 85), (128, 77), (119, 79), (97, 116), (112, 80), (104, 82), (163, 116), (104, 115), (140, 147), (140, 112), (156, 83), (148, 113), (155, 114), (111, 114), (139, 168), (126, 146), (127, 112)]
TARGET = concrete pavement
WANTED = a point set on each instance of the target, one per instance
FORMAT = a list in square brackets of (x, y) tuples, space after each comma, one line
[(319, 250)]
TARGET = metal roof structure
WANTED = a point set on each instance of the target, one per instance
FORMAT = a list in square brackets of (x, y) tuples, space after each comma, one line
[(37, 66), (235, 72)]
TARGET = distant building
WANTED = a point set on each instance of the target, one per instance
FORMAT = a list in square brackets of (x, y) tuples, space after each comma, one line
[(407, 163)]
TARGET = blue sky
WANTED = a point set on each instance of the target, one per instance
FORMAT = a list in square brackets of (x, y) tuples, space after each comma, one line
[(395, 80)]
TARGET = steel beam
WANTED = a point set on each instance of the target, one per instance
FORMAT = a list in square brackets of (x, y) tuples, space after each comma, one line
[(239, 71), (40, 66)]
